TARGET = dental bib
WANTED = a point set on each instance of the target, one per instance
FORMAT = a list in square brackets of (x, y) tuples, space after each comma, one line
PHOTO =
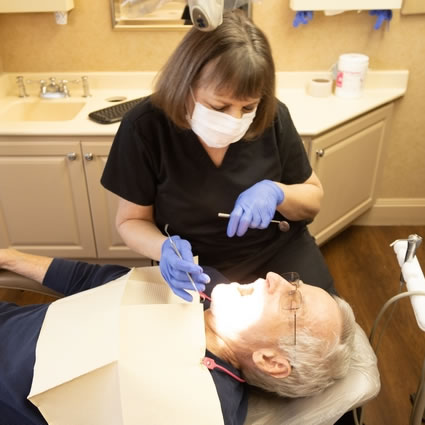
[(126, 353)]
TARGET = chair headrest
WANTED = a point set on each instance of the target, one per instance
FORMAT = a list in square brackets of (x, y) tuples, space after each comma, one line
[(361, 384)]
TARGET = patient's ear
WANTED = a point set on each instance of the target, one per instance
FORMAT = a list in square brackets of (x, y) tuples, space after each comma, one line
[(272, 362)]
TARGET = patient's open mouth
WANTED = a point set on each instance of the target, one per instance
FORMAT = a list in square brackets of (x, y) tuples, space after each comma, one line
[(249, 289), (244, 291)]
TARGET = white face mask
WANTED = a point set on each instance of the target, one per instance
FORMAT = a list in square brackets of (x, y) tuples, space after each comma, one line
[(218, 129)]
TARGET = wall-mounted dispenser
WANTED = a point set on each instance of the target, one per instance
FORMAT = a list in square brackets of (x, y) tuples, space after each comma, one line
[(344, 5), (23, 6)]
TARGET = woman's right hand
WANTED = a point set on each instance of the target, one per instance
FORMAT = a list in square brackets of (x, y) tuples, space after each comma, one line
[(255, 208), (175, 269)]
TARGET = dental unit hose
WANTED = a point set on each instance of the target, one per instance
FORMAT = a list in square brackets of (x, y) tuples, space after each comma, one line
[(358, 420), (413, 242)]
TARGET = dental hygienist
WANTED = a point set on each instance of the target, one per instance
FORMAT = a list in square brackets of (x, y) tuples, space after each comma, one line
[(213, 138)]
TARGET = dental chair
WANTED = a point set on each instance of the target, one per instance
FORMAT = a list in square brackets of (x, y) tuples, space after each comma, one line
[(360, 385)]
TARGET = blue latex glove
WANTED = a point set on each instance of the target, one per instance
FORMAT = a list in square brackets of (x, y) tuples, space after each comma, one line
[(382, 15), (302, 17), (174, 269), (255, 208)]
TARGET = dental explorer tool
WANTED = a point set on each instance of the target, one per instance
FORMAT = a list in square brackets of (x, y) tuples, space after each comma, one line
[(176, 250), (283, 225)]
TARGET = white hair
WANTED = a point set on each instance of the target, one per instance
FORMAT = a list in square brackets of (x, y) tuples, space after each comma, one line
[(315, 364)]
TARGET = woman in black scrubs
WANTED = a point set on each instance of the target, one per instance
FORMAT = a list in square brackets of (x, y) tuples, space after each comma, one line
[(213, 138)]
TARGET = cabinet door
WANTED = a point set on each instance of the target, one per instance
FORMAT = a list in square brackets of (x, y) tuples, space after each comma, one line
[(103, 203), (347, 162), (44, 206)]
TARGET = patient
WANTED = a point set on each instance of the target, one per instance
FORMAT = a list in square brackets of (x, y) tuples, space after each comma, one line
[(291, 341)]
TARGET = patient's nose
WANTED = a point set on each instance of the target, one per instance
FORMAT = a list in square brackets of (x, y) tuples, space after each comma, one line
[(274, 281)]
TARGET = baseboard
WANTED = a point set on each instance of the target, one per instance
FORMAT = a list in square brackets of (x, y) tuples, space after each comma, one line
[(394, 212)]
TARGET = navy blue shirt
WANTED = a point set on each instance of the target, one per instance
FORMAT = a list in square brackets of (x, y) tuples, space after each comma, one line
[(20, 328)]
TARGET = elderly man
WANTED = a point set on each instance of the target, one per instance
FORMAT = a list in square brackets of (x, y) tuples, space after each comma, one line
[(286, 337)]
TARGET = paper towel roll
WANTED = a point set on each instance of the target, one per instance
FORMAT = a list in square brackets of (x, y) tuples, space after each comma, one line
[(319, 87)]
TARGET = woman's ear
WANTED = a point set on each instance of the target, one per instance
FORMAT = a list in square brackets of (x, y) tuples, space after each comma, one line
[(272, 362)]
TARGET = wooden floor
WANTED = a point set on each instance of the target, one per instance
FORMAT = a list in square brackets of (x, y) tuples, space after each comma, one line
[(366, 274)]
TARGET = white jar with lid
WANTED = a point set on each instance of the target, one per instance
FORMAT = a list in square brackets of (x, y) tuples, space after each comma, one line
[(351, 73)]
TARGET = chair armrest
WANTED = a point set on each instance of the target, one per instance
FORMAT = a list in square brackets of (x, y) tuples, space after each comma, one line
[(10, 280)]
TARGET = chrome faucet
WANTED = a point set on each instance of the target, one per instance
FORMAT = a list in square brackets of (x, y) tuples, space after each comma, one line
[(52, 89)]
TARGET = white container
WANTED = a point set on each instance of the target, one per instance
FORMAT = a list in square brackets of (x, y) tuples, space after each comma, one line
[(351, 73)]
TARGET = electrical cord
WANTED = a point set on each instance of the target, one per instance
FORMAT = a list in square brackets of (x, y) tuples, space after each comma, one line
[(388, 304), (419, 396), (392, 300), (385, 325), (387, 321)]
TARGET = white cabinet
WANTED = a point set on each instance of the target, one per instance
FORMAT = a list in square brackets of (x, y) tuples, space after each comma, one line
[(18, 6), (347, 161), (51, 199), (103, 204), (52, 202), (44, 206)]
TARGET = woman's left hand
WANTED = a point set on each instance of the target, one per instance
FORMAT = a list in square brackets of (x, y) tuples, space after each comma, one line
[(255, 208)]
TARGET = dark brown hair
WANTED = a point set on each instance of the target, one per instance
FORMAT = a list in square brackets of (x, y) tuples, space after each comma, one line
[(243, 66)]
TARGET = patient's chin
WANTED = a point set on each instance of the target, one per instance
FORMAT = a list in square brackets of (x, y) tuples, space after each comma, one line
[(223, 296)]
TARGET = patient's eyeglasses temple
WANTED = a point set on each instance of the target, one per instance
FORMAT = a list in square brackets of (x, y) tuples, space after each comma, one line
[(294, 300)]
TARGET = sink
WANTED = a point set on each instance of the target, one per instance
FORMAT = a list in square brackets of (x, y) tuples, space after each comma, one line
[(41, 110)]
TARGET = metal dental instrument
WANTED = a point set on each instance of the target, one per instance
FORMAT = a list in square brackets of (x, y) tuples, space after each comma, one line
[(413, 242), (283, 225), (201, 294)]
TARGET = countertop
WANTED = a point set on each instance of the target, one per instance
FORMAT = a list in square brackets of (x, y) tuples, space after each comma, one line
[(311, 115)]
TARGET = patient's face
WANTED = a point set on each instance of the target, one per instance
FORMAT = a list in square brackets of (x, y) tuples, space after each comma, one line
[(253, 313)]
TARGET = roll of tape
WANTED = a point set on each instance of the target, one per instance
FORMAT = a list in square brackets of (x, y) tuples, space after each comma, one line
[(319, 87)]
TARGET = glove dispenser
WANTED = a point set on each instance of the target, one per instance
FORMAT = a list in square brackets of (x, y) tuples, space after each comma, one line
[(343, 6)]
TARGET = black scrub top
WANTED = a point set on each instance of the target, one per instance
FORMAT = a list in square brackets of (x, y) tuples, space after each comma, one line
[(153, 162)]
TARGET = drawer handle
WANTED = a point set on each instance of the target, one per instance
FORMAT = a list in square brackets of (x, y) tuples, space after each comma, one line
[(72, 156), (320, 153), (88, 156)]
